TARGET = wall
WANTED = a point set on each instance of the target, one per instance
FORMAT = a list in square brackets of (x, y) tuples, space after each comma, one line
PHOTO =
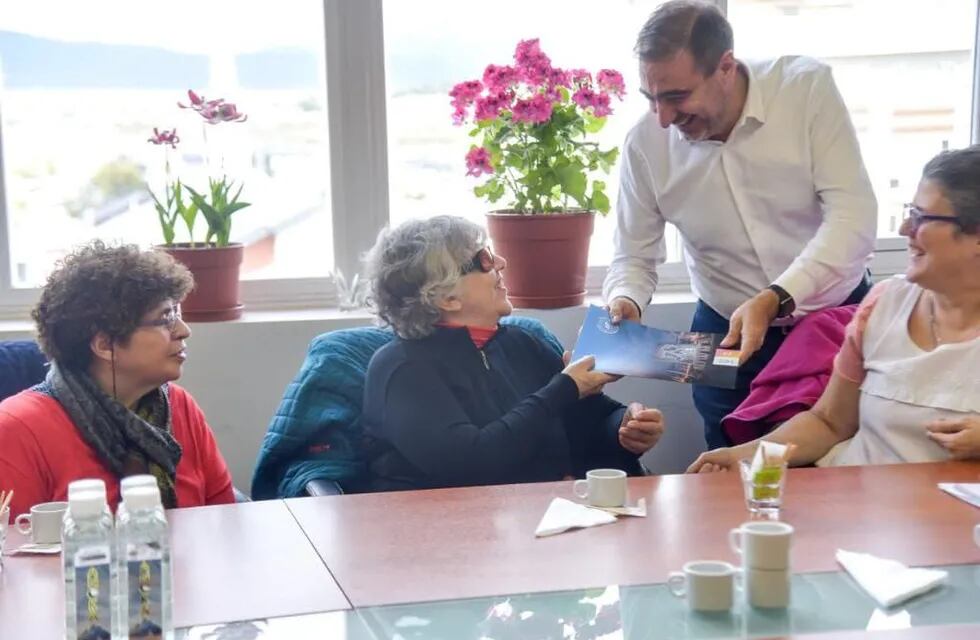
[(238, 371)]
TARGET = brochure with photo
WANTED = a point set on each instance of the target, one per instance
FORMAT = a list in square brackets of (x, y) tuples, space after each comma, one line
[(633, 349)]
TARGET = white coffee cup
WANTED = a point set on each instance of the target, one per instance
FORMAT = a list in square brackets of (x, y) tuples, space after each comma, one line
[(4, 517), (602, 488), (768, 589), (43, 523), (762, 544), (708, 585)]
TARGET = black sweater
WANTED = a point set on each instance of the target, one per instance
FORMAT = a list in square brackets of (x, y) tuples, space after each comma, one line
[(438, 412)]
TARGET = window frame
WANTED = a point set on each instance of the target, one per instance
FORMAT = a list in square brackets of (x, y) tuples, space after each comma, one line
[(357, 126)]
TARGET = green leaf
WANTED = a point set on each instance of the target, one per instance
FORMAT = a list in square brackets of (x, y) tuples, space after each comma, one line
[(219, 210), (573, 182), (600, 201), (607, 159), (593, 124), (482, 190)]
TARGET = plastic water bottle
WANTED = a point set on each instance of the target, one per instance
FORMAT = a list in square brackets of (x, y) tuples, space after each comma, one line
[(127, 483), (144, 566), (97, 485), (87, 563)]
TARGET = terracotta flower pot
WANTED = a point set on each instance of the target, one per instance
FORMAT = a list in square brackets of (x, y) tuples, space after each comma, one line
[(547, 256), (216, 290)]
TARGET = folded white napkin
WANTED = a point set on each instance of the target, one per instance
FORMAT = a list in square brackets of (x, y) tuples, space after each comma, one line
[(966, 491), (888, 581), (881, 620), (563, 515), (36, 548), (638, 510)]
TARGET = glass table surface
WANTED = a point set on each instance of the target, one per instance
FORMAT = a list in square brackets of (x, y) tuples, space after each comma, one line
[(821, 602)]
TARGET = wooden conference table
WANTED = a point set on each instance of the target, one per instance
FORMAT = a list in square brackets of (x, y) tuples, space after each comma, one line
[(380, 553)]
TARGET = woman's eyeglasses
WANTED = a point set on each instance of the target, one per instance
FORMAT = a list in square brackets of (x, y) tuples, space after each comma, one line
[(484, 261), (168, 320), (916, 217)]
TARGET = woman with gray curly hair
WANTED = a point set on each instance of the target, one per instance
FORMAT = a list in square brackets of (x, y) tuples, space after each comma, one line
[(460, 399), (109, 322)]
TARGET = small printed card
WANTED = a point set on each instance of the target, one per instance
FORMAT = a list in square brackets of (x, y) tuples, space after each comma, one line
[(632, 349)]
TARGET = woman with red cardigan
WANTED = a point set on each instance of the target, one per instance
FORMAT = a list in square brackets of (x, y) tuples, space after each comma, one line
[(109, 322)]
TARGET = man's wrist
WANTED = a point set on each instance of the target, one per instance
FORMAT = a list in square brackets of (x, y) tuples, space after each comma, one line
[(785, 305)]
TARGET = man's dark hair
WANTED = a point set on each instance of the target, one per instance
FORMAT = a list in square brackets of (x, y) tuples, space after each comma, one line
[(679, 25), (958, 174), (98, 288)]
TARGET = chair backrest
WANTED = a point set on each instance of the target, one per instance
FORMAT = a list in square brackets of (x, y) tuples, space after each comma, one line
[(316, 432), (22, 365)]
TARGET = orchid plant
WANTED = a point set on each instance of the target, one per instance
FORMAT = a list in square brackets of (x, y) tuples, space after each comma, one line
[(217, 204), (532, 121)]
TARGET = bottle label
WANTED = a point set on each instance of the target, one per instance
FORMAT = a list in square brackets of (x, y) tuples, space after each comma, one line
[(92, 591), (145, 590)]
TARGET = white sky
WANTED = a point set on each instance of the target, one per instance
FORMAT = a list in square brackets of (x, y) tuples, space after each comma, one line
[(182, 25)]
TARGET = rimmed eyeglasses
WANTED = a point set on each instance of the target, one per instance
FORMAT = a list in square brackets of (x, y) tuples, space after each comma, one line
[(168, 320), (916, 217)]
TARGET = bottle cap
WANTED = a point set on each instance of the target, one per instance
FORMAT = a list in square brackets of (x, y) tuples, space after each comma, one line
[(86, 504), (86, 484), (137, 498), (141, 480)]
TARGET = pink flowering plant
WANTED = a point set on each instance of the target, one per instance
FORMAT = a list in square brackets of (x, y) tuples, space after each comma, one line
[(217, 204), (532, 121)]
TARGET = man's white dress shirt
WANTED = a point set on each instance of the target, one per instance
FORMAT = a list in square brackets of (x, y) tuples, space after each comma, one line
[(785, 200)]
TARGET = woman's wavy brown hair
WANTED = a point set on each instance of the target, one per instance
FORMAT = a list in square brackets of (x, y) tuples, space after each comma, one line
[(100, 288)]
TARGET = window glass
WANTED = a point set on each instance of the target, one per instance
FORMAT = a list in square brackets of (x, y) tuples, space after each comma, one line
[(905, 70), (83, 84), (426, 57)]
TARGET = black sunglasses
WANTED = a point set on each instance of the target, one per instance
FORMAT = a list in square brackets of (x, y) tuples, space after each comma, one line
[(484, 261)]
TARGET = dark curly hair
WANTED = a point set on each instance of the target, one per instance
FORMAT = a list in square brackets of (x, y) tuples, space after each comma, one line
[(99, 288)]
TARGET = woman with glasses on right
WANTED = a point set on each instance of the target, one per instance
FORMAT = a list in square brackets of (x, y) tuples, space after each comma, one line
[(906, 383)]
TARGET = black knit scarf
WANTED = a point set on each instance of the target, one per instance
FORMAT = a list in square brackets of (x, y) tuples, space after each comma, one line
[(127, 442)]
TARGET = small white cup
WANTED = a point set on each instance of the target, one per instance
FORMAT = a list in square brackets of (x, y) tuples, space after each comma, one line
[(767, 589), (602, 488), (762, 544), (43, 523), (708, 585), (4, 517)]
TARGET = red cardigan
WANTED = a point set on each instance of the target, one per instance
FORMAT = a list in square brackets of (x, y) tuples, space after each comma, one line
[(41, 451)]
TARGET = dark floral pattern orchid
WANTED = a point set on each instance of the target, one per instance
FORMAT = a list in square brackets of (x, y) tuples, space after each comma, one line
[(213, 111), (217, 204)]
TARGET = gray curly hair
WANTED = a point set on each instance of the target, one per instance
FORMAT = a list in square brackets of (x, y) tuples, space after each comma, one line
[(413, 265)]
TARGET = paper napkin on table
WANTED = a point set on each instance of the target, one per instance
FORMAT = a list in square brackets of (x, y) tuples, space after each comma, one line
[(638, 510), (889, 581), (966, 491), (36, 548), (563, 515)]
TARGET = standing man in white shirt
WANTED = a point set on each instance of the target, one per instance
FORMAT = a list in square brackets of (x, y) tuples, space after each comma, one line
[(758, 167)]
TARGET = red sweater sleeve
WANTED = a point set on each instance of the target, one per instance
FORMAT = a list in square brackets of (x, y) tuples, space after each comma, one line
[(22, 465), (211, 466)]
